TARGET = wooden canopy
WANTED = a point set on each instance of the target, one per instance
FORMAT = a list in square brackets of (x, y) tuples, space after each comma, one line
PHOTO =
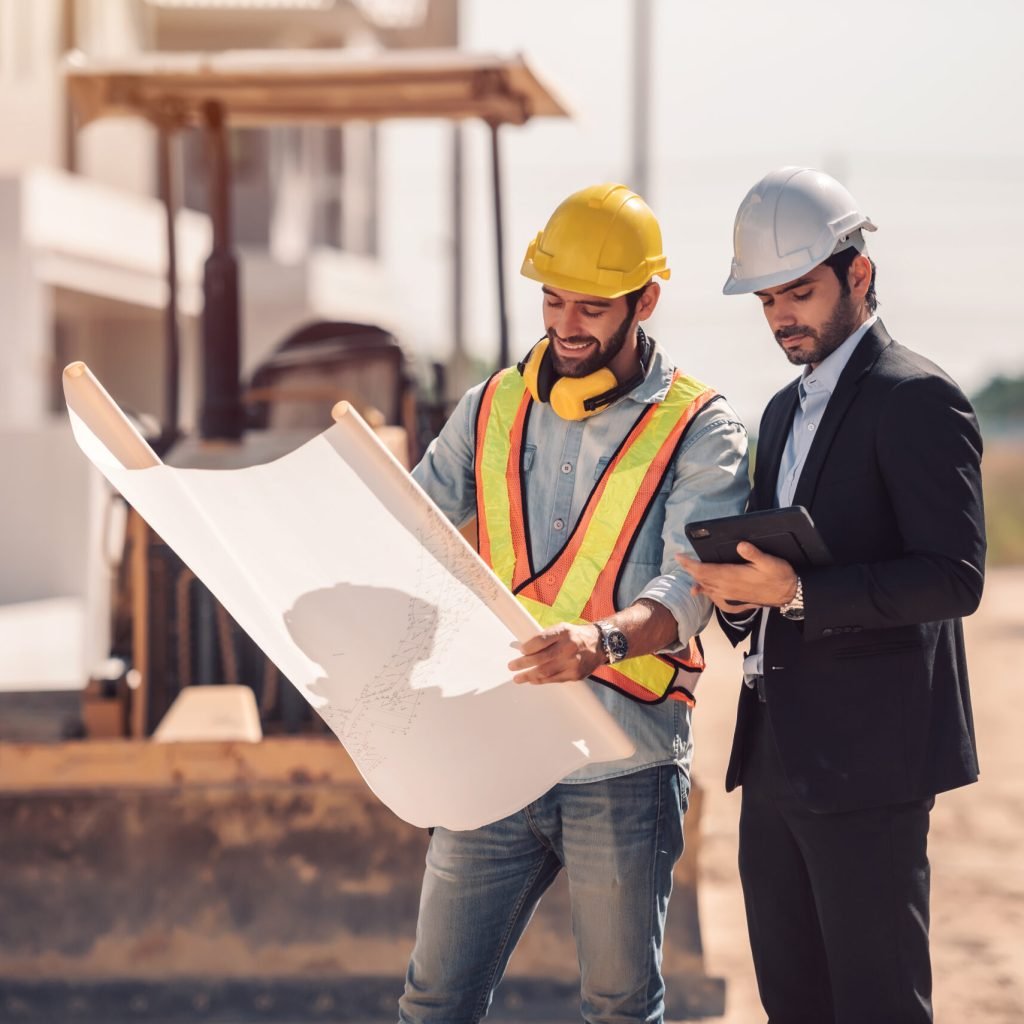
[(264, 87)]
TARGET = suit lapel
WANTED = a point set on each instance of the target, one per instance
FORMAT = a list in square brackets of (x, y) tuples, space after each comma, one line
[(861, 362), (771, 443)]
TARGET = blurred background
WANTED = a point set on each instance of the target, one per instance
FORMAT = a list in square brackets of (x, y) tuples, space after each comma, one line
[(351, 185)]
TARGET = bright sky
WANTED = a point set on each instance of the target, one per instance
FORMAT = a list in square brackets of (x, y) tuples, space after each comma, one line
[(917, 107)]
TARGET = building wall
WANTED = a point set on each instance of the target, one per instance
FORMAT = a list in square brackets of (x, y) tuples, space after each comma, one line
[(299, 190), (31, 99)]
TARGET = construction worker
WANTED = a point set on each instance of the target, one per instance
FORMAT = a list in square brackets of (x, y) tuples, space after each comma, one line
[(582, 466), (856, 709)]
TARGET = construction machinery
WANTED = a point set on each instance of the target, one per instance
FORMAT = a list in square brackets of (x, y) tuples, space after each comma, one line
[(158, 873)]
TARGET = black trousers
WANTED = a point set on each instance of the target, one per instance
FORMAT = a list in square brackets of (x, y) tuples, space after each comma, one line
[(837, 904)]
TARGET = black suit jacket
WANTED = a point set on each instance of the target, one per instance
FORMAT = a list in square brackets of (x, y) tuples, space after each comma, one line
[(868, 696)]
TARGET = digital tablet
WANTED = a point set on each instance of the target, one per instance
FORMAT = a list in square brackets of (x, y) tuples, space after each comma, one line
[(787, 533)]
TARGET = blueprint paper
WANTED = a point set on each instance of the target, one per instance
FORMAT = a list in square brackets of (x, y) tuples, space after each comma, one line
[(352, 582)]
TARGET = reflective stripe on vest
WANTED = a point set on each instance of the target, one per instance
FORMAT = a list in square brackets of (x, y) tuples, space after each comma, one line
[(579, 584)]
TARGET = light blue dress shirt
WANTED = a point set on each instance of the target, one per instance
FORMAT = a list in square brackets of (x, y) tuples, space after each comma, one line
[(814, 391), (562, 461)]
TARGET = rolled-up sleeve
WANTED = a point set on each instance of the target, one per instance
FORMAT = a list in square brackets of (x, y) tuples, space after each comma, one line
[(446, 471), (710, 480)]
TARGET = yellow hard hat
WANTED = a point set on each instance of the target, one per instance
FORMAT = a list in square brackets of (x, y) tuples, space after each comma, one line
[(603, 240)]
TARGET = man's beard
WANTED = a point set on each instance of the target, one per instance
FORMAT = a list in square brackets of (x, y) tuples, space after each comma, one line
[(597, 359), (839, 326)]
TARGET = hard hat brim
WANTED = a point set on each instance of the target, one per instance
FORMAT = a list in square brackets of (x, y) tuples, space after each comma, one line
[(745, 285), (584, 287)]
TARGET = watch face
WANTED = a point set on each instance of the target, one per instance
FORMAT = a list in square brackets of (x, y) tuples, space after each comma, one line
[(618, 645)]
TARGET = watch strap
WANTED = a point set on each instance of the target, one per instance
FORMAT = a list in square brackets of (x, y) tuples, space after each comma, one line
[(793, 609)]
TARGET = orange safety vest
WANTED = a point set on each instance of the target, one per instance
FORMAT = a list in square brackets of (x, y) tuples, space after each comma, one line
[(579, 583)]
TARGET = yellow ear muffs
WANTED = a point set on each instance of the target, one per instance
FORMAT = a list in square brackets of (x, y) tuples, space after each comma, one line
[(530, 368), (568, 396)]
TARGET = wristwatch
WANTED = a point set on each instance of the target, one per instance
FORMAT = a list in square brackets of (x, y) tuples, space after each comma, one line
[(614, 642), (794, 609)]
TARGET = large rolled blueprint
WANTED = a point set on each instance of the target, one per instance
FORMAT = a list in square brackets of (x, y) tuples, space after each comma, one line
[(354, 584)]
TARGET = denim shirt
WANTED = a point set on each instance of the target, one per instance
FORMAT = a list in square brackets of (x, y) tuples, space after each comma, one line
[(562, 461)]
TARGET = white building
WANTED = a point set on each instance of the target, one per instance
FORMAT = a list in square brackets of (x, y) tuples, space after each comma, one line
[(83, 266)]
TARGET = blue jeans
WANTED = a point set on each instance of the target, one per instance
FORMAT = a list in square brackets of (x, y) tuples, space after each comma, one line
[(618, 841)]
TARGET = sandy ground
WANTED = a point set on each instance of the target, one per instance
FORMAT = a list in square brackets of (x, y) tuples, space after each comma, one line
[(976, 842)]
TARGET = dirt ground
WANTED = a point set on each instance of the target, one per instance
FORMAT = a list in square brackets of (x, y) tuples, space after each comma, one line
[(976, 843)]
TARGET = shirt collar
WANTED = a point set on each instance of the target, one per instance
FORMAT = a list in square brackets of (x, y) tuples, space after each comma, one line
[(825, 376), (654, 387)]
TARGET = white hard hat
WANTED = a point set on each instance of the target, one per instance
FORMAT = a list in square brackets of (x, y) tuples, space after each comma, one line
[(790, 221)]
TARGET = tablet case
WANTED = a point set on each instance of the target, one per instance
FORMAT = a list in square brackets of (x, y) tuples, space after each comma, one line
[(787, 533)]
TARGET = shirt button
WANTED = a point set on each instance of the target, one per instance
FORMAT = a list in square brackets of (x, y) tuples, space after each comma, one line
[(810, 427), (566, 467), (558, 524)]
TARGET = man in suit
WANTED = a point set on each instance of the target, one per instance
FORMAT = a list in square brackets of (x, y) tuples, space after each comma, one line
[(855, 710)]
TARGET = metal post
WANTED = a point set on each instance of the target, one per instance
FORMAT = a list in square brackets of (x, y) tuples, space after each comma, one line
[(458, 262), (221, 415), (641, 96), (499, 245), (172, 347), (69, 43)]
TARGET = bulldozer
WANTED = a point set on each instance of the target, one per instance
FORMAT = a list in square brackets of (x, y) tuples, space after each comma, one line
[(221, 858)]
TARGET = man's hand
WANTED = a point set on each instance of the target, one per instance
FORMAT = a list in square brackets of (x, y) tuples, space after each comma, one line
[(559, 655), (762, 580)]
